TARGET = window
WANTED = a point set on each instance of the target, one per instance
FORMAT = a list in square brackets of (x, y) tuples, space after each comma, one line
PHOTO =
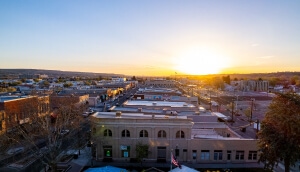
[(107, 133), (162, 134), (125, 151), (143, 133), (229, 155), (204, 154), (194, 154), (125, 133), (252, 155), (239, 155), (218, 155), (161, 152), (180, 134)]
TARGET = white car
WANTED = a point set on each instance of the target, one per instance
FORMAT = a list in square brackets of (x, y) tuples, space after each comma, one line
[(85, 114), (64, 132)]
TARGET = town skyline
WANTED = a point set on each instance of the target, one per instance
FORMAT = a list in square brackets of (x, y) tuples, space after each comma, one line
[(151, 38)]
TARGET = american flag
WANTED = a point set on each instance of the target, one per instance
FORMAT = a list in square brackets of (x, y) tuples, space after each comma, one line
[(175, 162)]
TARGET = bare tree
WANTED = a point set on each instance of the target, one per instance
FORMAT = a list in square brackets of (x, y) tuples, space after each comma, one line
[(49, 122)]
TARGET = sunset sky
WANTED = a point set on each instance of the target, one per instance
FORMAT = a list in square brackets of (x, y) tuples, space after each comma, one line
[(151, 37)]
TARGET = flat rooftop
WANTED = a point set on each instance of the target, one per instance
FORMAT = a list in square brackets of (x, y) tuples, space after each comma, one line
[(157, 103), (7, 98), (132, 116)]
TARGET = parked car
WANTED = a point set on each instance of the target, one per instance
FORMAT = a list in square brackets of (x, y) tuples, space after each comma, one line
[(85, 114), (14, 151), (64, 132)]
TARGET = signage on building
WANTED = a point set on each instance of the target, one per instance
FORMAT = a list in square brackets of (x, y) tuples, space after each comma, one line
[(122, 147)]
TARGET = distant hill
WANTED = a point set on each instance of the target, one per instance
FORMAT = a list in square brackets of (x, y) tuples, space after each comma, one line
[(53, 73)]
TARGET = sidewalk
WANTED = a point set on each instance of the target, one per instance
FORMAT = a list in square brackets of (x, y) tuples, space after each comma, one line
[(166, 165), (84, 159), (281, 168)]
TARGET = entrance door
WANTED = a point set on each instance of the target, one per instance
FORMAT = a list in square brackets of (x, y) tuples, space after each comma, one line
[(161, 154), (107, 150), (184, 155)]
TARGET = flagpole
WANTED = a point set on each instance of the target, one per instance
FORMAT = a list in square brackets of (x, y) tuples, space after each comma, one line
[(171, 161)]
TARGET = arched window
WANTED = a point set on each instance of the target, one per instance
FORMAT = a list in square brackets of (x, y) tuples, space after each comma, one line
[(161, 134), (107, 133), (125, 133), (180, 134), (143, 133)]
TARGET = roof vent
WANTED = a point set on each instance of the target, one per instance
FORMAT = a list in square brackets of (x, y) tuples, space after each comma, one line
[(118, 114)]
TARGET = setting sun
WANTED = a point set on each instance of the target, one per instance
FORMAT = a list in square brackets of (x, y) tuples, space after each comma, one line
[(200, 61)]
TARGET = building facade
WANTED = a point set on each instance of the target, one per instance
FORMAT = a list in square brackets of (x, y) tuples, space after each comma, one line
[(15, 111), (116, 135)]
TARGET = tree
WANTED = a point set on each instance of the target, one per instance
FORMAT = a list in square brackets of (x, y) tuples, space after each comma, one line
[(67, 85), (226, 79), (55, 129), (142, 151), (217, 82), (294, 79), (279, 137), (247, 112)]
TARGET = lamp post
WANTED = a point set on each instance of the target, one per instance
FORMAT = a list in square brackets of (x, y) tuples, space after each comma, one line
[(92, 144)]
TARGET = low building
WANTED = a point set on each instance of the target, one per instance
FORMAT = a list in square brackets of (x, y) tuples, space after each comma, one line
[(115, 136), (160, 83)]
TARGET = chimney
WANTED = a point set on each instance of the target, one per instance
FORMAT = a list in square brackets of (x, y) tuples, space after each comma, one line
[(118, 114)]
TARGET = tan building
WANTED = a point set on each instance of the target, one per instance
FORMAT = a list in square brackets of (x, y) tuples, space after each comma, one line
[(160, 83), (115, 136)]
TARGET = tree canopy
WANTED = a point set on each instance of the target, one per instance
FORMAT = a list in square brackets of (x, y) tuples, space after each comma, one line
[(279, 137)]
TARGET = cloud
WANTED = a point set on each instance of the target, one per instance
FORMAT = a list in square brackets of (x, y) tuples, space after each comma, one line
[(266, 57), (254, 45)]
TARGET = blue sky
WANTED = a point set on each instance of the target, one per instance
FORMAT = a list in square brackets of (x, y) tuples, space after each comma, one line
[(151, 37)]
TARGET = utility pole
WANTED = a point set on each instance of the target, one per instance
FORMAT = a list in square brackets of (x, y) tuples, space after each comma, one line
[(252, 99), (232, 110)]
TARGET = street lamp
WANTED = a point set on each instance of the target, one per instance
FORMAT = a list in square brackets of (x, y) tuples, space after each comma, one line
[(92, 144)]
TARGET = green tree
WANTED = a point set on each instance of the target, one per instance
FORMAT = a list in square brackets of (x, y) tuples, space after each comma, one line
[(87, 82), (279, 137), (67, 85), (142, 151)]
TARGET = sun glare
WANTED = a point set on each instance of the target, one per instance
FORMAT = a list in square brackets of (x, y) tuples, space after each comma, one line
[(200, 62)]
